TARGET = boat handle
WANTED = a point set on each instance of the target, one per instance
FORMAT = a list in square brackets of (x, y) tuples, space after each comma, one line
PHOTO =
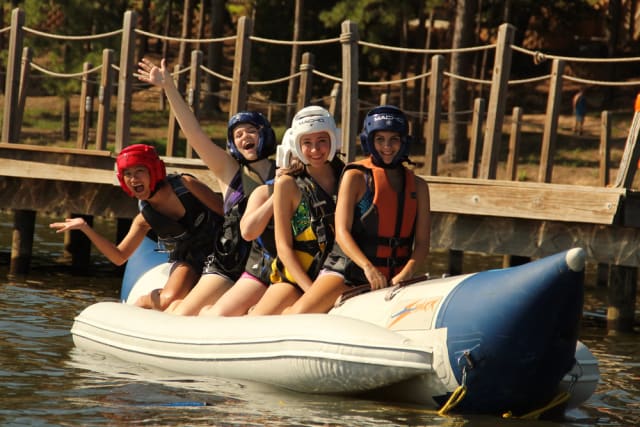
[(398, 286), (355, 291)]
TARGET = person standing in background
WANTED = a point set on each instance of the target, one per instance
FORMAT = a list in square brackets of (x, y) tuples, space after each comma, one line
[(579, 111)]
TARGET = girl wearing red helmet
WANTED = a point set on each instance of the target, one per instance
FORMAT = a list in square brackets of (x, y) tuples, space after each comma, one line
[(382, 219), (241, 169), (181, 210)]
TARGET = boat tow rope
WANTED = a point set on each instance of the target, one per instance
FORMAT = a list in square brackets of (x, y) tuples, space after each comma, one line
[(458, 394), (558, 400), (535, 414)]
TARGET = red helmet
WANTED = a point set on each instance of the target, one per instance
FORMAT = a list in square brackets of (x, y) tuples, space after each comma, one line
[(140, 154)]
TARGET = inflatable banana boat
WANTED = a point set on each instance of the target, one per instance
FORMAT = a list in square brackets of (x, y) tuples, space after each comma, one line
[(497, 341)]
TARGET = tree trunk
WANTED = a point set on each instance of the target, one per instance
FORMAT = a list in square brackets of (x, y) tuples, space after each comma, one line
[(145, 24), (214, 55), (461, 63), (613, 30), (66, 120), (187, 12), (295, 60)]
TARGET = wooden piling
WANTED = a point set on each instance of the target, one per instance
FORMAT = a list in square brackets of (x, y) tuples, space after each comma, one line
[(349, 124), (432, 131), (10, 129), (80, 247), (241, 66), (622, 295), (104, 99), (306, 80), (22, 241)]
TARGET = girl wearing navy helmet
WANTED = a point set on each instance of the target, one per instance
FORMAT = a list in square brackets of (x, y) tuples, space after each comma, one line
[(256, 226), (239, 170), (382, 220), (303, 207), (181, 210)]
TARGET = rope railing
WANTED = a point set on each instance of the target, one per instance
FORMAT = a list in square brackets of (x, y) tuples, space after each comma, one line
[(295, 42), (397, 81), (327, 76), (58, 74), (466, 79), (529, 80), (68, 37), (274, 81), (427, 51), (600, 82), (346, 38), (541, 57), (218, 75), (183, 39)]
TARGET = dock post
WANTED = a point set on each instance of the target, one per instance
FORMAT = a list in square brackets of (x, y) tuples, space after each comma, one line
[(22, 241), (125, 80), (456, 260), (241, 65), (622, 298), (349, 38), (79, 247)]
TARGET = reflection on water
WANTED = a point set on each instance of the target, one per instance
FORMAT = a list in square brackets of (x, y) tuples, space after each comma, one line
[(46, 381)]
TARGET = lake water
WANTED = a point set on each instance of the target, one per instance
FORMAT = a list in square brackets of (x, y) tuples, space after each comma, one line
[(45, 380)]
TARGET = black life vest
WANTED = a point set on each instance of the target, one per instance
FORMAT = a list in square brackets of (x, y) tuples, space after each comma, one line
[(312, 244), (172, 231), (231, 250)]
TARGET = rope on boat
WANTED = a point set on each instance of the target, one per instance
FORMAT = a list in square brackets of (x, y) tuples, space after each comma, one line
[(558, 400), (535, 414), (455, 398), (460, 392)]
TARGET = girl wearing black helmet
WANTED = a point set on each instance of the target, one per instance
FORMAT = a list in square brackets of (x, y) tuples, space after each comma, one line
[(181, 210), (382, 219), (239, 170)]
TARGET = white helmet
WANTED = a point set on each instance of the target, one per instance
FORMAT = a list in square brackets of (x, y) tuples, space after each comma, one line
[(285, 150), (310, 120)]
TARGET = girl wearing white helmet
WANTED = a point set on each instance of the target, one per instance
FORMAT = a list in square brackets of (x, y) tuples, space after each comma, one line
[(303, 207), (239, 171), (382, 217)]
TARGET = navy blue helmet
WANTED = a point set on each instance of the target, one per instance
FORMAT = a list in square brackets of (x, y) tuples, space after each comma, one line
[(267, 138), (389, 118)]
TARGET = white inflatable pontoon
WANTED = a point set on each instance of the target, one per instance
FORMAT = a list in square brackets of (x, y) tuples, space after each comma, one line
[(507, 337)]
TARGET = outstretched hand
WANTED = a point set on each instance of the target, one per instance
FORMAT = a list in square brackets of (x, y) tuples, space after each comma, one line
[(68, 224), (150, 73)]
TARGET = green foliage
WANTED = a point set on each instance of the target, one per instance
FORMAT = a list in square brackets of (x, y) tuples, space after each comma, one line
[(70, 18), (380, 22)]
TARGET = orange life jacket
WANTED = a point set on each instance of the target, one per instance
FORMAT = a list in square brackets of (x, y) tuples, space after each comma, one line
[(385, 231)]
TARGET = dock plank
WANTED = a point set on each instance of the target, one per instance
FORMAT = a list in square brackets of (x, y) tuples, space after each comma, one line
[(551, 202)]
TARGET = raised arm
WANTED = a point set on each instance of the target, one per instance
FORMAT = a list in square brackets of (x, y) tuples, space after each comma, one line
[(116, 254), (221, 163)]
